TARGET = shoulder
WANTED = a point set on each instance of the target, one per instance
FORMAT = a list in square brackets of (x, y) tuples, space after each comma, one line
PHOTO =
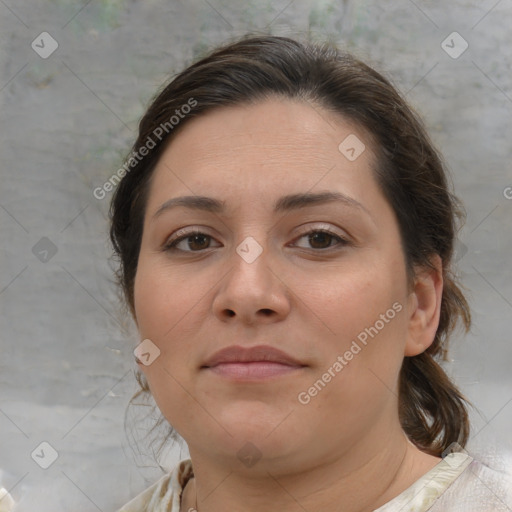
[(165, 494), (486, 485), (425, 492), (459, 483)]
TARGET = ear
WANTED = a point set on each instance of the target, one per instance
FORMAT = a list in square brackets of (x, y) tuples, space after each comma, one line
[(424, 307)]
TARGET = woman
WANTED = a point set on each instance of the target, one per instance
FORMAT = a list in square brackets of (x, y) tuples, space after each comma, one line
[(285, 234)]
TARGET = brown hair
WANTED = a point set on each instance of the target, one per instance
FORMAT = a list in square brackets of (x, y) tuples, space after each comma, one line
[(409, 171)]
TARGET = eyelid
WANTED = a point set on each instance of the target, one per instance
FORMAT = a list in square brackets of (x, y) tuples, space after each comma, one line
[(304, 230)]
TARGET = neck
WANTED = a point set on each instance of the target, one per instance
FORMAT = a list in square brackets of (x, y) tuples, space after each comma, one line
[(344, 483)]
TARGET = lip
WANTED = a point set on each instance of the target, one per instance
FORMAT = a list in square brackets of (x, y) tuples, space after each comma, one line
[(259, 353), (251, 364)]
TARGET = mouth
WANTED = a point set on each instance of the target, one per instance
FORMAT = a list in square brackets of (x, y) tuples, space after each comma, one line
[(252, 370), (255, 363)]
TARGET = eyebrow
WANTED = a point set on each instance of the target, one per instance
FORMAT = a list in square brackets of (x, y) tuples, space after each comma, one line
[(283, 204)]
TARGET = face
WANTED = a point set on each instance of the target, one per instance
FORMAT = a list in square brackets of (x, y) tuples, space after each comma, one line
[(322, 280)]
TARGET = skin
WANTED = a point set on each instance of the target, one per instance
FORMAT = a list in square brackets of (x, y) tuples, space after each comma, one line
[(346, 446)]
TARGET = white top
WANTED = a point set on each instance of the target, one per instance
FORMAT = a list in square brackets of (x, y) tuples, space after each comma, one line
[(458, 483)]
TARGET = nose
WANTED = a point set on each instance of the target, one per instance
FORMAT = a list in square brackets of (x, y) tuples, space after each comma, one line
[(252, 291)]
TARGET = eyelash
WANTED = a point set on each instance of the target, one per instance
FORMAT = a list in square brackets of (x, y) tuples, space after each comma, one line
[(170, 246)]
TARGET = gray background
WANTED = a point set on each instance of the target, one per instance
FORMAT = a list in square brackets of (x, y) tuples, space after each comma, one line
[(66, 362)]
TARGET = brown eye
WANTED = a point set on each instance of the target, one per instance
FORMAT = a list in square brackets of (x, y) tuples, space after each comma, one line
[(198, 242), (321, 239), (192, 242)]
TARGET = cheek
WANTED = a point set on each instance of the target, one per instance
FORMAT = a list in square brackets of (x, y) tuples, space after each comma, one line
[(354, 298), (357, 384), (161, 300), (161, 305), (363, 319)]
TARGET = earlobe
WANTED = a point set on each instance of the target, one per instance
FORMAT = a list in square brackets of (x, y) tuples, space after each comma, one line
[(424, 307)]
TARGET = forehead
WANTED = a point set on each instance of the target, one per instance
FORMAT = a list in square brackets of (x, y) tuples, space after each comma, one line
[(273, 121), (272, 144)]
